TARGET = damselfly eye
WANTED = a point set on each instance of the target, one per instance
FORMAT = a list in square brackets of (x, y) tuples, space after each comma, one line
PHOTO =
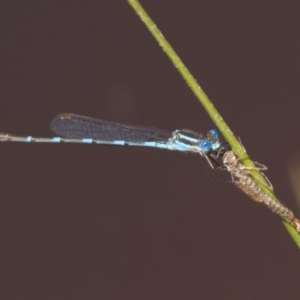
[(205, 145), (213, 136)]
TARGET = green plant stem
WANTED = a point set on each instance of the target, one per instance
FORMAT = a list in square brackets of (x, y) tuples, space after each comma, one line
[(208, 106)]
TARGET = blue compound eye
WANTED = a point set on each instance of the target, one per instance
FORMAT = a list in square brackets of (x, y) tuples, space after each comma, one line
[(213, 136), (205, 146)]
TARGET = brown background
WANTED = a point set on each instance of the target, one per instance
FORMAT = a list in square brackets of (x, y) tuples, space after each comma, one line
[(92, 222)]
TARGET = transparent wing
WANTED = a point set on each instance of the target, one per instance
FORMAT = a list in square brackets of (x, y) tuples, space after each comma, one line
[(76, 126)]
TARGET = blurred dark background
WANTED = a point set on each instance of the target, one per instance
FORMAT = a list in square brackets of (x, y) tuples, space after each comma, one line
[(96, 222)]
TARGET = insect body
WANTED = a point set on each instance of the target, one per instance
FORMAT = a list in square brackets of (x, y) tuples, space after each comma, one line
[(244, 181)]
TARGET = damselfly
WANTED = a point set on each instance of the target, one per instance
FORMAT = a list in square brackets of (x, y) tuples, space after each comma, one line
[(80, 129)]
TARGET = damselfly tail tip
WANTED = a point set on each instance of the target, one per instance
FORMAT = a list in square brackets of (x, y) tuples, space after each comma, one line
[(3, 136)]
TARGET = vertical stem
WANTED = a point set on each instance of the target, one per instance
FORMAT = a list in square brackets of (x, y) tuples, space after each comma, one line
[(208, 106)]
